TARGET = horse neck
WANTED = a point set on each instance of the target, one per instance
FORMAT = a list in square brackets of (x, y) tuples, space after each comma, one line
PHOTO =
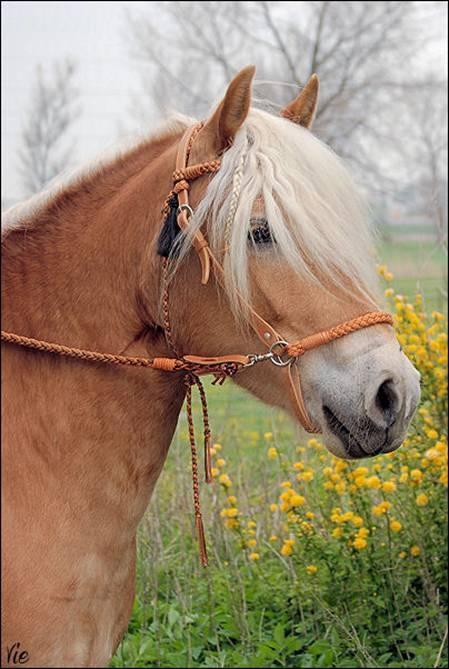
[(73, 271), (72, 275)]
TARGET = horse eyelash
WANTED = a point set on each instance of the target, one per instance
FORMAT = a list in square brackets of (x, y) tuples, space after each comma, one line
[(259, 232)]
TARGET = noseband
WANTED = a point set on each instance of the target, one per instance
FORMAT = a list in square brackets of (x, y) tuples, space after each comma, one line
[(278, 351)]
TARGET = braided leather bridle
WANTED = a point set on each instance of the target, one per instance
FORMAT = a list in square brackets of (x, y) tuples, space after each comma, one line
[(279, 351)]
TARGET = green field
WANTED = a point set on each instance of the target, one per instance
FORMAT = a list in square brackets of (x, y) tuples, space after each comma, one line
[(328, 600)]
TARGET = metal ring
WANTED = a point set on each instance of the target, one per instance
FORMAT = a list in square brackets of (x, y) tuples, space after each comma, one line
[(185, 207), (276, 359)]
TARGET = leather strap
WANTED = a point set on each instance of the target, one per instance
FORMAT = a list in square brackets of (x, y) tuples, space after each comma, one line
[(265, 332), (199, 241)]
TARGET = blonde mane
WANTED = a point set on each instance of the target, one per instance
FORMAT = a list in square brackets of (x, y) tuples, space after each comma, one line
[(315, 213)]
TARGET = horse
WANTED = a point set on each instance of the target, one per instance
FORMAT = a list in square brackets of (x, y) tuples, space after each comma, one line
[(282, 236)]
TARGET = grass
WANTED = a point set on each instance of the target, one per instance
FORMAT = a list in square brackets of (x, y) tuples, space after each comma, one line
[(285, 588)]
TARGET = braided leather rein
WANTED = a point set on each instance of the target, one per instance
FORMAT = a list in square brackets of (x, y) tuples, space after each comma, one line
[(280, 352)]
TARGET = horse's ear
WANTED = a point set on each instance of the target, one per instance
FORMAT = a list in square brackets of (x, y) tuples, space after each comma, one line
[(302, 109), (232, 110)]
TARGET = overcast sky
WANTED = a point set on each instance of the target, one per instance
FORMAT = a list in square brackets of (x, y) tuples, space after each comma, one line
[(43, 32)]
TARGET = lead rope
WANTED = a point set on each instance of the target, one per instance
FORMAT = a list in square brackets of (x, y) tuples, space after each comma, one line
[(190, 380)]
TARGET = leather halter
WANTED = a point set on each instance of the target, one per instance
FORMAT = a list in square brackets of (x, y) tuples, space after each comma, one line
[(270, 338), (193, 366)]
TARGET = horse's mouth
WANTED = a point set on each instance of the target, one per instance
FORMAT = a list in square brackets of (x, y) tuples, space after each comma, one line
[(353, 447)]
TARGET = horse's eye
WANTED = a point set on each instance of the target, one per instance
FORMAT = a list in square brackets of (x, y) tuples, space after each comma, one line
[(259, 232)]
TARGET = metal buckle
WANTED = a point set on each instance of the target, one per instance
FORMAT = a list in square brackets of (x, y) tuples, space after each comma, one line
[(185, 207), (276, 358), (254, 358)]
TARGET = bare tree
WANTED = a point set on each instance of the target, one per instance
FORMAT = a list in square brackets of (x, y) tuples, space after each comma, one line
[(53, 109), (367, 55)]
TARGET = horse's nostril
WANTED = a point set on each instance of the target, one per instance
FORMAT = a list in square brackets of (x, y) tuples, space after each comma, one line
[(387, 401)]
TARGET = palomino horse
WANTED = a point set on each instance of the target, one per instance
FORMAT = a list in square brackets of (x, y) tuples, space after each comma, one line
[(84, 442)]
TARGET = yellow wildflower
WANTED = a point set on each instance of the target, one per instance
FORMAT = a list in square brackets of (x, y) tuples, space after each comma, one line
[(360, 543), (225, 481), (389, 486), (254, 556), (297, 500), (311, 569), (422, 499)]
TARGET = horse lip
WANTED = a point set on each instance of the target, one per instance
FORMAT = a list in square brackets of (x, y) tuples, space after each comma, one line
[(353, 447)]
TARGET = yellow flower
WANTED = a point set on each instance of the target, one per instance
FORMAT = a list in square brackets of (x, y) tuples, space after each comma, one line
[(432, 434), (268, 436), (373, 482), (357, 521), (306, 476), (273, 507), (416, 475), (297, 500), (251, 543), (337, 532), (360, 543), (217, 447), (232, 499), (415, 551), (254, 556), (251, 524), (215, 472), (221, 462), (381, 508), (225, 481), (389, 486), (395, 525), (363, 533), (231, 523), (402, 554), (272, 453), (310, 515), (298, 465), (311, 569), (389, 292), (286, 484), (273, 537), (422, 499), (286, 550)]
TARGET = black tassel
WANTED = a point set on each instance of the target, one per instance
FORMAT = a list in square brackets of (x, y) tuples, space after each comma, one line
[(170, 229)]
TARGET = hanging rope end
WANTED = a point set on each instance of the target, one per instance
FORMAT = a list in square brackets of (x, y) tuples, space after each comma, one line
[(201, 540)]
